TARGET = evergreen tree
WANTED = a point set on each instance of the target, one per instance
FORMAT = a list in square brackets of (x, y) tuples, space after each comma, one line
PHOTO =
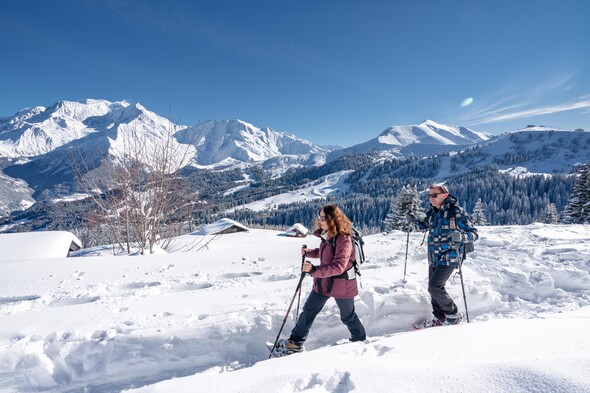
[(396, 217), (389, 221), (479, 214), (577, 210), (549, 214)]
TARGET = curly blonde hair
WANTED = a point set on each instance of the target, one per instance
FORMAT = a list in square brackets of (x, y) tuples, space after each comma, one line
[(338, 223)]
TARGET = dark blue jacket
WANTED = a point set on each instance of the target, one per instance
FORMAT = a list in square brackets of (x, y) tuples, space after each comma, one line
[(442, 251)]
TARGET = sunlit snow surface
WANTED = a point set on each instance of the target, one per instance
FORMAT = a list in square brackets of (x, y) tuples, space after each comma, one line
[(197, 319)]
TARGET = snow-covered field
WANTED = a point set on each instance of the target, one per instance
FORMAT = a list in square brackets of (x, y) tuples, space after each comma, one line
[(196, 320)]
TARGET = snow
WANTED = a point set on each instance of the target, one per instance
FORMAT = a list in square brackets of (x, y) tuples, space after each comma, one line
[(297, 230), (72, 197), (317, 189), (39, 130), (236, 189), (37, 245), (519, 171), (198, 320), (241, 141), (425, 138), (219, 226), (85, 124)]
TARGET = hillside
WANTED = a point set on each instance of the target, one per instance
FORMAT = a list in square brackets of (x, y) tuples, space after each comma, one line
[(107, 323), (515, 175)]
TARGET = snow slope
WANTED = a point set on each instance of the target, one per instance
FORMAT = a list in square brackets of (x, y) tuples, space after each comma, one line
[(425, 138), (196, 319), (466, 358), (39, 130), (317, 189), (535, 150)]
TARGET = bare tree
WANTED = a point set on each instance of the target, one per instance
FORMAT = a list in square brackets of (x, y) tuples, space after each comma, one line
[(138, 190)]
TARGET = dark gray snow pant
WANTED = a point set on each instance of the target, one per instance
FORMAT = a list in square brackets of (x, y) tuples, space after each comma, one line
[(314, 304), (441, 301)]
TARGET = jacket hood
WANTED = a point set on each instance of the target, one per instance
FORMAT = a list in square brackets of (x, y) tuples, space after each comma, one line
[(451, 200)]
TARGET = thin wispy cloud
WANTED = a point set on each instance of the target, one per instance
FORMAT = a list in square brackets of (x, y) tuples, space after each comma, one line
[(493, 109), (562, 81), (524, 101), (535, 112)]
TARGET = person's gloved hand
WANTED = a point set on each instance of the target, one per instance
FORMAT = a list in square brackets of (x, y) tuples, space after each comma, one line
[(410, 217), (457, 237), (308, 267)]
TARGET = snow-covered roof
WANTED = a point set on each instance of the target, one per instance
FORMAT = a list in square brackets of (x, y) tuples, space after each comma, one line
[(221, 226), (37, 245), (297, 230)]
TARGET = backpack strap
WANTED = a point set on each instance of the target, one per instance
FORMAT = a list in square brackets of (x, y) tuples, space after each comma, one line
[(344, 275), (453, 226)]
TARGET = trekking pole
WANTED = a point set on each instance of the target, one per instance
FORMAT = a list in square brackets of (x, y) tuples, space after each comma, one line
[(454, 227), (406, 261), (299, 296), (409, 206), (463, 288), (287, 313)]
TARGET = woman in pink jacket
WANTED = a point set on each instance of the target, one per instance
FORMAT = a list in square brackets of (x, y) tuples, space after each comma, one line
[(334, 277)]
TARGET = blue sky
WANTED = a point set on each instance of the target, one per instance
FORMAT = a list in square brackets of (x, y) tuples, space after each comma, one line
[(333, 72)]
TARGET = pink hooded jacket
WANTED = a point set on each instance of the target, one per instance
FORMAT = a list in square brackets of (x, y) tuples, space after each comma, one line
[(333, 264)]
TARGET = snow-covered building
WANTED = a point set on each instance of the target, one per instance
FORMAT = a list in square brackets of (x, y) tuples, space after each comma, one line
[(38, 245), (225, 225), (297, 230)]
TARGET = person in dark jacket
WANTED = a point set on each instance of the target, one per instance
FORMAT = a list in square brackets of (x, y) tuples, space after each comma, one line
[(333, 277), (449, 228)]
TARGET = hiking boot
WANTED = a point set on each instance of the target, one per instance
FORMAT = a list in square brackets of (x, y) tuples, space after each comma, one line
[(428, 323), (453, 319), (291, 346)]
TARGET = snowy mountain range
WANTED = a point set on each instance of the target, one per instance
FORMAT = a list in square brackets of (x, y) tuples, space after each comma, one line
[(38, 145), (425, 138), (37, 131), (236, 140)]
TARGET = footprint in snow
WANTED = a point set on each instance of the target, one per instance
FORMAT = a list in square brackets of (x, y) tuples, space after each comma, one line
[(229, 276), (74, 301), (141, 284), (18, 299)]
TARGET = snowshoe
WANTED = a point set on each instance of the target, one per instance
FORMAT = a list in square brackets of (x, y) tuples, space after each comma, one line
[(428, 323), (284, 347)]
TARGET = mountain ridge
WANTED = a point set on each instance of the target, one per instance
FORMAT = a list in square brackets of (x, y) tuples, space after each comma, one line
[(426, 138), (253, 154)]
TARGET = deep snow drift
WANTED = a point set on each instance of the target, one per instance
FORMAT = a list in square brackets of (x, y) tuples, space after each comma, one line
[(203, 312)]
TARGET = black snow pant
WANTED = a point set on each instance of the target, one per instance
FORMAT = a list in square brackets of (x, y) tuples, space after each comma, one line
[(314, 304), (441, 301)]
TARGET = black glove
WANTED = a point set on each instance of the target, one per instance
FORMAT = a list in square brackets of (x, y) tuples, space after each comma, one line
[(457, 237), (410, 217)]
